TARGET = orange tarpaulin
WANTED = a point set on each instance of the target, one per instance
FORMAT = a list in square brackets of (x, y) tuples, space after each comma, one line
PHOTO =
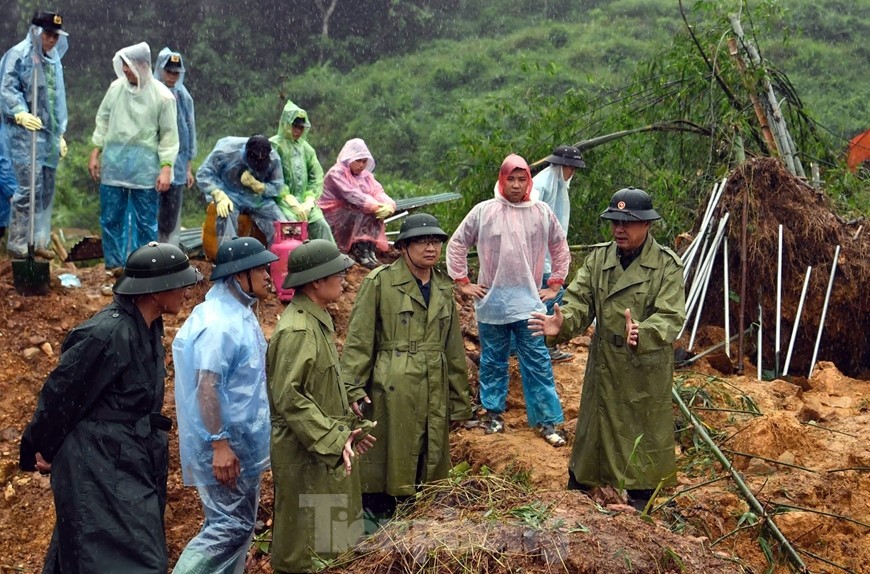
[(859, 150)]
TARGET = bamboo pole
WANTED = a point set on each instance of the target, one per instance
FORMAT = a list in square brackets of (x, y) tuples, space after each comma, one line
[(797, 320), (756, 506), (824, 310), (760, 327), (766, 133), (727, 313), (776, 346), (716, 242), (741, 317)]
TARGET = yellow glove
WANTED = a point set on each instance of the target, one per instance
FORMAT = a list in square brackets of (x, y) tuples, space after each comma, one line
[(252, 182), (222, 204), (63, 148), (289, 201), (28, 121), (384, 211), (307, 206)]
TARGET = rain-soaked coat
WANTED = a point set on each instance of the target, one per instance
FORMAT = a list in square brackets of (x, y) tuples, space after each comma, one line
[(97, 423), (303, 174), (409, 359), (550, 187), (349, 202), (186, 117), (318, 509), (626, 393), (16, 94), (136, 126), (8, 185), (511, 239)]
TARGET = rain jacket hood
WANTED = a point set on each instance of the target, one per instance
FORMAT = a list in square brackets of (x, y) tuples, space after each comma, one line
[(353, 150), (509, 164), (291, 113), (138, 59), (162, 58)]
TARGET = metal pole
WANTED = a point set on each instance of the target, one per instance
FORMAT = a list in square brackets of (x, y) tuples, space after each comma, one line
[(824, 310), (760, 325), (707, 273), (727, 299), (395, 217), (741, 317), (778, 303), (797, 320)]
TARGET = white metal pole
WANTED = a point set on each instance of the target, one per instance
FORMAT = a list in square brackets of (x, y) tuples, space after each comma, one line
[(759, 335), (727, 298), (797, 320), (824, 310), (708, 273), (778, 303), (703, 275)]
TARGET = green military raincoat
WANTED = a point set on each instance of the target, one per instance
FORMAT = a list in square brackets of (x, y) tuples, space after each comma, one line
[(626, 393), (318, 509), (410, 360)]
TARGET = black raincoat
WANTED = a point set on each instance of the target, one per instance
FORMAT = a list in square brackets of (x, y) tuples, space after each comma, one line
[(98, 422)]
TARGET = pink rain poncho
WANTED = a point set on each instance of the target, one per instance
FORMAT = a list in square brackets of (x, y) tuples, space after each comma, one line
[(512, 241), (349, 202)]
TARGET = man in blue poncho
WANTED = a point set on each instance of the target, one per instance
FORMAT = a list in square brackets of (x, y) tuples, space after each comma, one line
[(223, 408), (169, 69), (243, 175), (8, 186), (135, 146), (44, 46)]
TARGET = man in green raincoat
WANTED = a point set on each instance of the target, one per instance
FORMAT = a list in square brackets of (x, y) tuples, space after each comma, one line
[(405, 357), (303, 175), (633, 288), (318, 508)]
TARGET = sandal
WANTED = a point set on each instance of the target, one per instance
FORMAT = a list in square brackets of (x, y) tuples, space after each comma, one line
[(495, 425), (557, 356), (552, 436)]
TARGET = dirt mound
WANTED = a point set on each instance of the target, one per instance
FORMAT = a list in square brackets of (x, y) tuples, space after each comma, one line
[(771, 196)]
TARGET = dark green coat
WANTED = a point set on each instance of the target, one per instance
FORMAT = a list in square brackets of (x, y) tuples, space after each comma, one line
[(409, 358), (626, 393), (108, 476), (318, 509)]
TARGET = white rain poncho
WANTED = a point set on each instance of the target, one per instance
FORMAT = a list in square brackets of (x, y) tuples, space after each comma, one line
[(550, 187), (512, 240), (137, 126), (186, 118), (221, 336)]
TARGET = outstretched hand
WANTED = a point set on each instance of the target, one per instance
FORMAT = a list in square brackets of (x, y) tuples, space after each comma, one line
[(542, 325), (631, 330)]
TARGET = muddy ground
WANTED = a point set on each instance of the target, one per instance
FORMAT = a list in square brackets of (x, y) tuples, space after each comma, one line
[(799, 445)]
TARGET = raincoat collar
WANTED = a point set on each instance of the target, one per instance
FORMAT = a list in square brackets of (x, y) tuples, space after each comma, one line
[(126, 303), (302, 301), (229, 289), (612, 259)]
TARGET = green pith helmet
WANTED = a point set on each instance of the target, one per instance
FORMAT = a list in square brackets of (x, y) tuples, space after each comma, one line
[(419, 225), (313, 260), (630, 204), (240, 254), (566, 155), (154, 268)]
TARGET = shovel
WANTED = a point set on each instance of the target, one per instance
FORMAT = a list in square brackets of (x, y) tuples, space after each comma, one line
[(29, 276)]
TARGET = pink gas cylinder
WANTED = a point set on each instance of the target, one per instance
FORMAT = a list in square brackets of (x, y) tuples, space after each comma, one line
[(288, 236)]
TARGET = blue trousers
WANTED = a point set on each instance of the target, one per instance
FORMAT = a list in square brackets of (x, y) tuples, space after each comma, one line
[(19, 223), (129, 221), (539, 386), (222, 544)]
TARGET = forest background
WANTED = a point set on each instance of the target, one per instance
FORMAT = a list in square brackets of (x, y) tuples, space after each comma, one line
[(442, 90)]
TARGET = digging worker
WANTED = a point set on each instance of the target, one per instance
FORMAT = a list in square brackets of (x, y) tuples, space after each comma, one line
[(243, 175), (633, 288), (135, 147), (404, 356), (551, 186), (318, 506), (169, 70), (98, 429), (303, 174), (39, 54), (223, 411), (512, 234)]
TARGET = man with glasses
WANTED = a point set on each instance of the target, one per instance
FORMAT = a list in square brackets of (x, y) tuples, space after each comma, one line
[(633, 288), (403, 364)]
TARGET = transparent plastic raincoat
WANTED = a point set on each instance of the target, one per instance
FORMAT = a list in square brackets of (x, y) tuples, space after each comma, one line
[(303, 175), (220, 372), (349, 202), (16, 93), (512, 240), (223, 169), (186, 120), (8, 184), (550, 187), (136, 126)]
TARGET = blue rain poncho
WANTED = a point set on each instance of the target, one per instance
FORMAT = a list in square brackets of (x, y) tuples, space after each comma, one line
[(512, 240), (221, 336), (16, 94), (550, 187), (136, 125), (8, 184), (186, 120)]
